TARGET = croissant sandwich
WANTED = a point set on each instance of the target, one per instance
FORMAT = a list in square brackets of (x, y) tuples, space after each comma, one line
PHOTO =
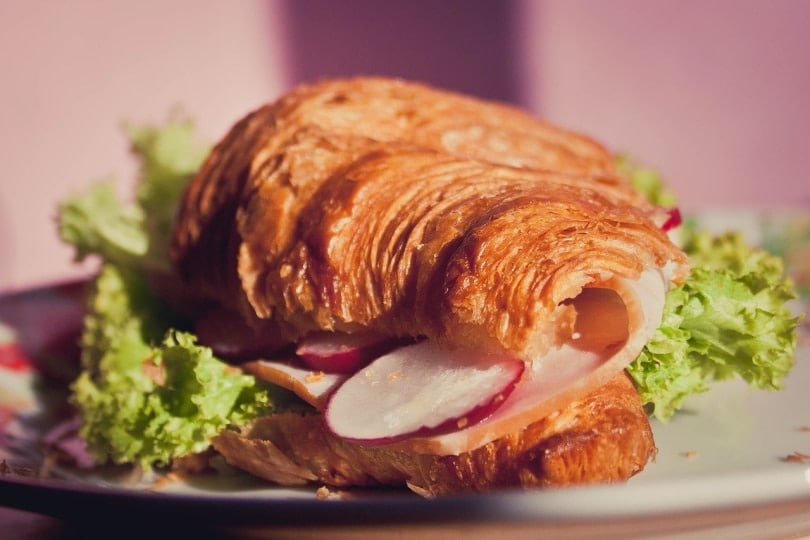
[(446, 293), (505, 255)]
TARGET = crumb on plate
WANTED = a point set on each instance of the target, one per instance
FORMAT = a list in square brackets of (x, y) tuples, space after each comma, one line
[(167, 479), (797, 457), (315, 376)]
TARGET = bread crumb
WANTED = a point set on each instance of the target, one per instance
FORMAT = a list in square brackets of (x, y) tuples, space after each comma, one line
[(797, 457), (169, 478), (314, 376), (690, 454), (804, 429), (193, 464), (324, 492)]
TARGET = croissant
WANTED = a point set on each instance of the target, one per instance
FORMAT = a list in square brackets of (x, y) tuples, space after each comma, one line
[(384, 207), (311, 131)]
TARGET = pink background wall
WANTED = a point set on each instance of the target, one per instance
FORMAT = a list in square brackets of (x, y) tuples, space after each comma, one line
[(73, 71), (714, 93)]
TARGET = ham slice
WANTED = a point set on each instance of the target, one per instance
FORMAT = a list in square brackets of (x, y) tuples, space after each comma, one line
[(312, 386)]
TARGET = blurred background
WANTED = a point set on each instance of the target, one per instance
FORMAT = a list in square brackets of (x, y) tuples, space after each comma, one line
[(713, 93)]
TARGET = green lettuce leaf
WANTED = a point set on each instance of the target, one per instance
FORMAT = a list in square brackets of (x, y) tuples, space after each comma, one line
[(97, 223), (729, 318), (646, 181), (148, 393), (136, 235), (169, 157)]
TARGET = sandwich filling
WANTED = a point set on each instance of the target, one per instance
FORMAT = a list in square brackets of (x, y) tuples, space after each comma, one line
[(440, 400)]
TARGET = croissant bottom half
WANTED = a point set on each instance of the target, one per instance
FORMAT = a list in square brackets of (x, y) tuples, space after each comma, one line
[(604, 437)]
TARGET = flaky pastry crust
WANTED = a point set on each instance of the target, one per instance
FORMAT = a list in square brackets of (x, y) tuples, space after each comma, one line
[(369, 203)]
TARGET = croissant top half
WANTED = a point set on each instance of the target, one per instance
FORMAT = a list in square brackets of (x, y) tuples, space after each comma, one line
[(382, 204)]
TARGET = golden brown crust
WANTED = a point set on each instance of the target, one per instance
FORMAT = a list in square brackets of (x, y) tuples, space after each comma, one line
[(344, 205), (304, 136), (604, 437)]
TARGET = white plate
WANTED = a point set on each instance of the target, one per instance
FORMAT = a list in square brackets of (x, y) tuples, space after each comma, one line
[(721, 465)]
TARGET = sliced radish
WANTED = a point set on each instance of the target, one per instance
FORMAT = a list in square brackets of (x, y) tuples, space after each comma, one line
[(341, 352), (419, 390), (314, 387), (673, 219), (666, 218), (13, 358)]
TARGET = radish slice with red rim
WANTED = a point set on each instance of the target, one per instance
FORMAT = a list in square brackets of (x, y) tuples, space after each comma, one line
[(666, 219), (340, 352), (420, 389), (673, 220)]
